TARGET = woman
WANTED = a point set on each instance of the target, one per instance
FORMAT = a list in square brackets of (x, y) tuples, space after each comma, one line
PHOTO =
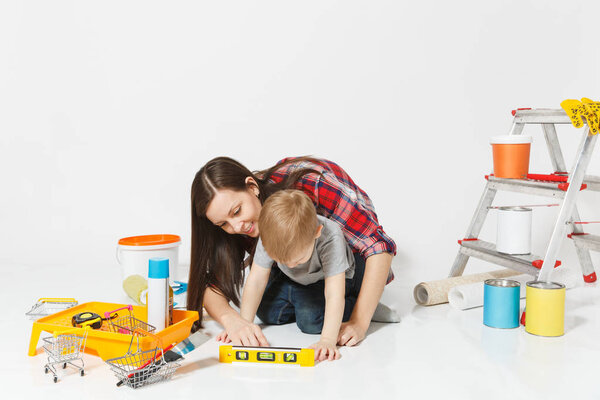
[(226, 203)]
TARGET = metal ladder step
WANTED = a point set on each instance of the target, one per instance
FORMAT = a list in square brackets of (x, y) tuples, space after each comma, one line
[(487, 251), (593, 182), (540, 188), (541, 116), (586, 241)]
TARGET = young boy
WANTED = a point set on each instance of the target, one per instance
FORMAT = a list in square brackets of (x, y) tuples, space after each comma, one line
[(308, 249)]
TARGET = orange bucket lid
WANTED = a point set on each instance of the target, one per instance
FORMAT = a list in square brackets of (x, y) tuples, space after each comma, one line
[(149, 240)]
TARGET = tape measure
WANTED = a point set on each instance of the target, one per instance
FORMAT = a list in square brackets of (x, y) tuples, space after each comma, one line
[(88, 316), (267, 355)]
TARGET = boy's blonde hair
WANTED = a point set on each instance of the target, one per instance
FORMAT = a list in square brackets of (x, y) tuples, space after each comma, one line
[(287, 223)]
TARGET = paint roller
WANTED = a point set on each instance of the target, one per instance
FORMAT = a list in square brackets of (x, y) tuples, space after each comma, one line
[(136, 287)]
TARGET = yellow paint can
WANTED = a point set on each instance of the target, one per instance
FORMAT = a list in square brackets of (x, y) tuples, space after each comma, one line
[(545, 306)]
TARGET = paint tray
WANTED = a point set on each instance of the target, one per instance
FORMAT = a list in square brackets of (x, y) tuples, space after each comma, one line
[(103, 342)]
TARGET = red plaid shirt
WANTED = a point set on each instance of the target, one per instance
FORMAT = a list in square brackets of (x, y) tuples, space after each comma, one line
[(339, 199)]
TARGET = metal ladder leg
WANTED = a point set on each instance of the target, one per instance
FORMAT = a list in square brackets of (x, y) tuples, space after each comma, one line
[(556, 156), (558, 163), (516, 128), (474, 228), (568, 206), (585, 259)]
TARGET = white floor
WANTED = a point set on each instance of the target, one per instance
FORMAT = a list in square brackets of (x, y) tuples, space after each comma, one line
[(435, 352)]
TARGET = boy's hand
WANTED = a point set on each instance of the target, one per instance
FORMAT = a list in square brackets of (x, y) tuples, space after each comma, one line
[(223, 337), (325, 350)]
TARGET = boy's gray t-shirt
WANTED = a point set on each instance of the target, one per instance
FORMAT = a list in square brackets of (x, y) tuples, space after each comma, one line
[(331, 256)]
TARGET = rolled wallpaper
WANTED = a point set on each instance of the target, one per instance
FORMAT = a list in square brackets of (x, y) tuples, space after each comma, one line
[(436, 292)]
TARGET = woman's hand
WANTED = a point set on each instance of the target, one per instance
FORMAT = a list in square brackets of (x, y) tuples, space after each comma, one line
[(325, 350), (377, 268), (241, 332)]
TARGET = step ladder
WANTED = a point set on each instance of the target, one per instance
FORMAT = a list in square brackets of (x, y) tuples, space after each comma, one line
[(561, 185)]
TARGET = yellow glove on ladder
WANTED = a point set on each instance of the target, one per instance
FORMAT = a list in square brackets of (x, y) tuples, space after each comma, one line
[(583, 111)]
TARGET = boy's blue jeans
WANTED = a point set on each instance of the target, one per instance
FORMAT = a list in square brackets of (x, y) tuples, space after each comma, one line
[(286, 301)]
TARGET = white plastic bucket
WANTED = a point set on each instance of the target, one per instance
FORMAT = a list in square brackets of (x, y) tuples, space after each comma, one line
[(511, 156), (133, 254), (514, 230)]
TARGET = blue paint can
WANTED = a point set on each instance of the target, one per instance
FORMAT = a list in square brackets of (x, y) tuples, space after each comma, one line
[(501, 303)]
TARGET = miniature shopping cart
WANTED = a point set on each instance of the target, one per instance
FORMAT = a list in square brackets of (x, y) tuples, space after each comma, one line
[(65, 348), (47, 306), (142, 367), (126, 324)]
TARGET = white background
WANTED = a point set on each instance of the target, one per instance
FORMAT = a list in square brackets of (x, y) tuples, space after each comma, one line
[(108, 109)]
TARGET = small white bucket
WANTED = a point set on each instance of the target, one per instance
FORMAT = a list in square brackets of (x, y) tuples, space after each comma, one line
[(514, 230), (133, 254)]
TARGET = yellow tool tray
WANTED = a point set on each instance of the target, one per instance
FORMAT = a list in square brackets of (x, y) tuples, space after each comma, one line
[(106, 344)]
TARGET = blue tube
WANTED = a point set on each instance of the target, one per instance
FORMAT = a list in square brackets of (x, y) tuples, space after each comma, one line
[(501, 303)]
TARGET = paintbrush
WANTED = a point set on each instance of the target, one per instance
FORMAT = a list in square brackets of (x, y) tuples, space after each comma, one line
[(171, 353), (192, 342)]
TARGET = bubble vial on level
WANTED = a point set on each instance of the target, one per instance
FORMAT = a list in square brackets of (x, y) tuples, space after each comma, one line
[(265, 356)]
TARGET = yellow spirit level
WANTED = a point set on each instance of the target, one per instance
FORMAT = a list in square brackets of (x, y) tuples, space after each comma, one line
[(268, 355)]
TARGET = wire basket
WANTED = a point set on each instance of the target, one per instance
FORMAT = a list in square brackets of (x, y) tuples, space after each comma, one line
[(48, 306), (128, 323), (65, 348), (142, 367)]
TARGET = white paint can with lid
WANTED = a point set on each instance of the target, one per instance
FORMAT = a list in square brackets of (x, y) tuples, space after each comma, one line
[(134, 253), (514, 230)]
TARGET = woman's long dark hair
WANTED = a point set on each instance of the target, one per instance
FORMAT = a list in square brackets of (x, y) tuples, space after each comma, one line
[(217, 258)]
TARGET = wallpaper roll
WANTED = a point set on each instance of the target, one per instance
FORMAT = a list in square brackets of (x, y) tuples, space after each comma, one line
[(436, 292), (463, 297)]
